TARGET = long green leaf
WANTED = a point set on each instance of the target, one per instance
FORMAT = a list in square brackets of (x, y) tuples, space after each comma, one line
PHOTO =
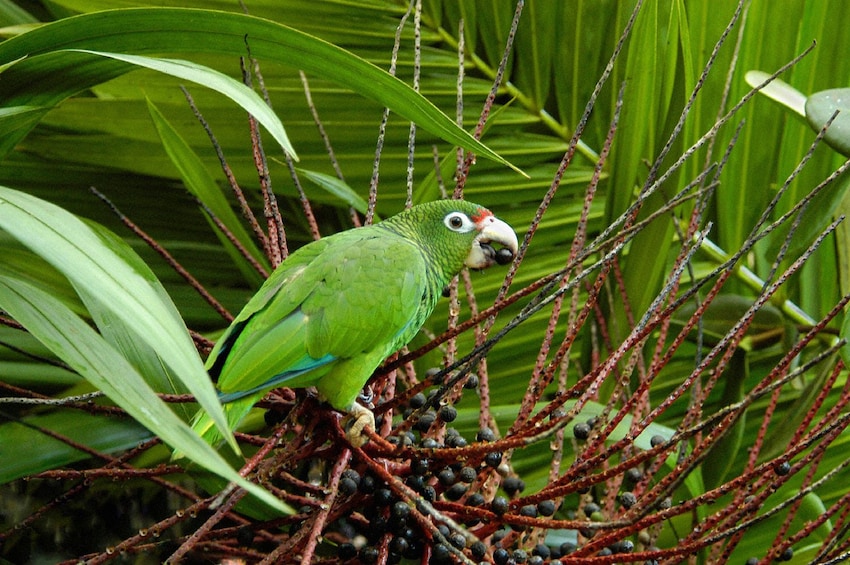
[(219, 82), (336, 187), (19, 118), (70, 338), (197, 178), (152, 30), (11, 13), (119, 290)]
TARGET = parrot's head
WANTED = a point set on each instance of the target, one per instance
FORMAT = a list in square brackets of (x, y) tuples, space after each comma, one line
[(457, 233)]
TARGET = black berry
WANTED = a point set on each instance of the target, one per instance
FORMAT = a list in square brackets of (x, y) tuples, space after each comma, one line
[(627, 499), (493, 459), (456, 491), (467, 474), (529, 511), (513, 485), (448, 413), (546, 508), (499, 505), (581, 431), (447, 477), (417, 401), (501, 556)]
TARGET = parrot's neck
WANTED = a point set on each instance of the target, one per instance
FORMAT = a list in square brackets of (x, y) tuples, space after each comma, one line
[(441, 267)]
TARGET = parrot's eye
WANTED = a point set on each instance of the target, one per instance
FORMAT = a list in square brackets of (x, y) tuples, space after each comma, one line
[(458, 222)]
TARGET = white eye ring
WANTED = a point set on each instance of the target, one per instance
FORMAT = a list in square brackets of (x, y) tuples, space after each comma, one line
[(458, 222)]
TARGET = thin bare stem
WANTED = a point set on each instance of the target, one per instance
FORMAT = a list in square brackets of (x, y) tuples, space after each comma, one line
[(247, 213), (463, 171)]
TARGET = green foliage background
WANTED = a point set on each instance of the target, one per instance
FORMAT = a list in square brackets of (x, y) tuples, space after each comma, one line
[(110, 135)]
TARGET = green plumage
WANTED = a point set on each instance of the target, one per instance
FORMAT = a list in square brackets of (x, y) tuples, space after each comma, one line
[(337, 307)]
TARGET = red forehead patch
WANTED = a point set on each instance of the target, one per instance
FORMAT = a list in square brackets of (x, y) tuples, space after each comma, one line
[(481, 214)]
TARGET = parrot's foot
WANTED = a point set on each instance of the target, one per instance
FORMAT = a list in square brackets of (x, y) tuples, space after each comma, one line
[(362, 418)]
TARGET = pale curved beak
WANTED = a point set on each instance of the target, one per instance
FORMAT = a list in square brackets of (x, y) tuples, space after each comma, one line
[(493, 231)]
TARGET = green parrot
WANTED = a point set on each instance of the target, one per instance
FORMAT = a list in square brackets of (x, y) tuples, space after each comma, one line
[(337, 307)]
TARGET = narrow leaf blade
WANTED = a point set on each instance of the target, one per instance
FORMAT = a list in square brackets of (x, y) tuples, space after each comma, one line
[(116, 286), (71, 339)]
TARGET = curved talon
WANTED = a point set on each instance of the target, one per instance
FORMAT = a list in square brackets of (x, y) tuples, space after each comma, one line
[(363, 418)]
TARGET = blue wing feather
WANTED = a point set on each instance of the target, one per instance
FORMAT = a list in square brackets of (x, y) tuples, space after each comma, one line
[(278, 380)]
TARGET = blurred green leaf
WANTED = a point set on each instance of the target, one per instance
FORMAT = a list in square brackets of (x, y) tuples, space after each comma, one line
[(124, 297), (336, 187), (176, 29), (219, 82), (201, 183), (44, 452), (821, 106), (70, 338), (779, 91)]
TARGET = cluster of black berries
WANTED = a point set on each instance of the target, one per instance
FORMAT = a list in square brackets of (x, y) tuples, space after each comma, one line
[(387, 521), (388, 515), (385, 514)]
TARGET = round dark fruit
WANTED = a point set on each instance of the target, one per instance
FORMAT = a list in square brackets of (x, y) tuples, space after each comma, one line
[(447, 413), (499, 505), (493, 459), (417, 401), (440, 553), (546, 507), (424, 422), (346, 551), (458, 540), (429, 493), (581, 431), (347, 486), (627, 499), (634, 476), (501, 556), (399, 545), (467, 474), (456, 491), (419, 466), (542, 550), (447, 477), (590, 508), (383, 497), (369, 555), (456, 441), (513, 485), (400, 511)]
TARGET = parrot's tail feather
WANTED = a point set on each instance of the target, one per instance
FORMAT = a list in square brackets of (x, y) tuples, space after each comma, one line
[(282, 379)]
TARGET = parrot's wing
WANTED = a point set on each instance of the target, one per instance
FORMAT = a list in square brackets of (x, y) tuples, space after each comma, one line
[(286, 276), (359, 292), (372, 297)]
